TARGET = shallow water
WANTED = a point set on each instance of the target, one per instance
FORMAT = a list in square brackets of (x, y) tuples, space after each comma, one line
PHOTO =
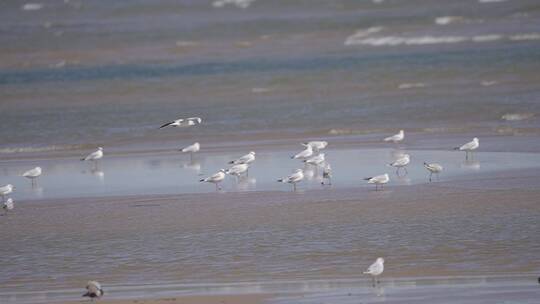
[(169, 173)]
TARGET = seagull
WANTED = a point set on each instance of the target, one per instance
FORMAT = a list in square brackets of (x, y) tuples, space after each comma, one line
[(191, 149), (8, 205), (433, 168), (93, 290), (316, 160), (5, 190), (469, 147), (237, 170), (215, 179), (183, 122), (327, 174), (396, 137), (296, 177), (246, 159), (378, 180), (401, 162), (376, 269), (32, 174), (316, 145), (94, 156), (306, 153)]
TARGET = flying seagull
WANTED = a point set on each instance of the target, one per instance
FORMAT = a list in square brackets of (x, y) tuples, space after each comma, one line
[(183, 122)]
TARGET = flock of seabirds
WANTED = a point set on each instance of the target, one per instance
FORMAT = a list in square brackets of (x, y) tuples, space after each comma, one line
[(311, 155)]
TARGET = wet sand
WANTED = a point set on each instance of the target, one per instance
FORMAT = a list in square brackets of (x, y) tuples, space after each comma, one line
[(166, 246)]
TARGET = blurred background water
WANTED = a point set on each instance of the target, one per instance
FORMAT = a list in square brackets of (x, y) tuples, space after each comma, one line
[(80, 73)]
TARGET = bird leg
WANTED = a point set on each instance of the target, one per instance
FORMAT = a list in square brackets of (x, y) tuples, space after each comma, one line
[(294, 186), (430, 174)]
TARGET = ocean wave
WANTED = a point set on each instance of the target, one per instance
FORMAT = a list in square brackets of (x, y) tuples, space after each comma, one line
[(360, 34), (517, 116), (32, 6), (521, 37), (238, 3), (445, 20), (260, 90), (427, 40), (491, 1), (488, 83), (411, 85)]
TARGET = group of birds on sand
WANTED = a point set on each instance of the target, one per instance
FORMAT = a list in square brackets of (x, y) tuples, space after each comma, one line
[(311, 155)]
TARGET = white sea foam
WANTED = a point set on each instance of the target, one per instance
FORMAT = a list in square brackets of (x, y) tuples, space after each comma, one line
[(360, 34), (488, 83), (517, 116), (32, 6), (447, 20), (397, 40), (358, 39), (411, 85), (529, 36), (237, 3), (486, 38), (260, 90), (11, 150), (491, 1)]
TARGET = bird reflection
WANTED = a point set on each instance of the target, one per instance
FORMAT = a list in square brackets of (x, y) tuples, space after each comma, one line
[(194, 166), (99, 174), (470, 164)]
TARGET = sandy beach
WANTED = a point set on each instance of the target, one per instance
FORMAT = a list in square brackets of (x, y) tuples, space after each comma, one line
[(205, 246)]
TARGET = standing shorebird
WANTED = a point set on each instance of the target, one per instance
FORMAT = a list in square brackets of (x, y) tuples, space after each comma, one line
[(93, 290), (8, 205), (237, 170), (469, 147), (396, 137), (316, 160), (94, 156), (296, 177), (433, 168), (33, 174), (316, 145), (194, 148), (215, 179), (327, 174), (378, 180), (245, 159), (306, 153), (5, 190), (375, 270), (401, 162)]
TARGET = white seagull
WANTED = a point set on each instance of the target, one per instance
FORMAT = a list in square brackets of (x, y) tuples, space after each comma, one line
[(194, 148), (316, 160), (246, 159), (433, 168), (94, 156), (183, 122), (396, 137), (306, 153), (93, 290), (215, 179), (401, 162), (327, 174), (32, 174), (237, 170), (378, 180), (8, 205), (469, 147), (5, 190), (296, 177), (376, 269), (316, 145)]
